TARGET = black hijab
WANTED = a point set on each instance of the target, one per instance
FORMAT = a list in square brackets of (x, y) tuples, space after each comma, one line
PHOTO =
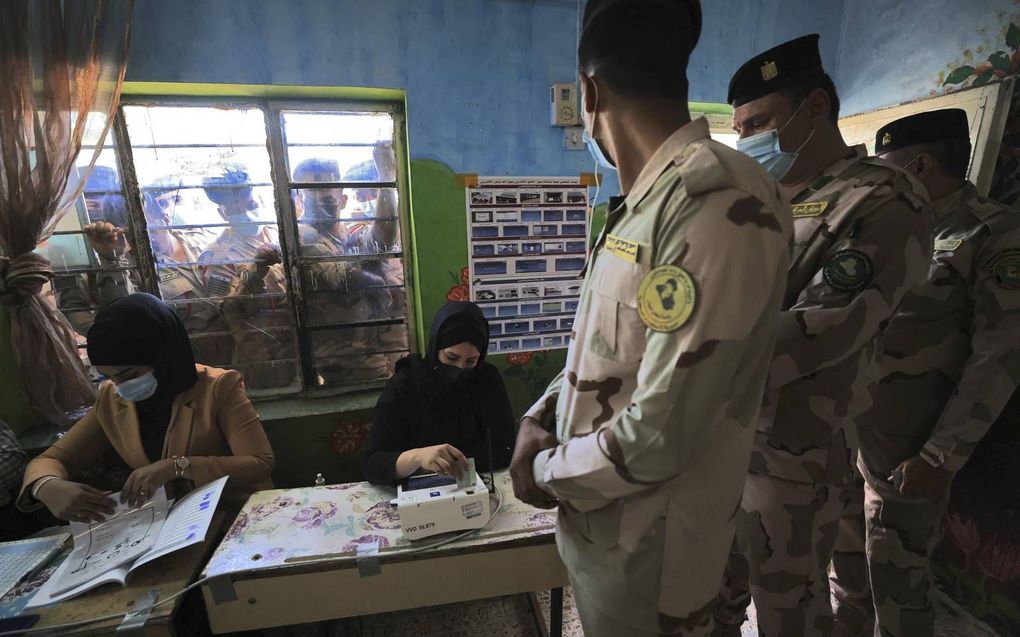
[(456, 322), (139, 329), (424, 405)]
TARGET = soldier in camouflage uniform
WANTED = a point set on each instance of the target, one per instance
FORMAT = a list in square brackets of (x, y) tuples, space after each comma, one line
[(77, 294), (176, 252), (242, 272), (344, 292), (862, 239), (644, 436), (949, 365)]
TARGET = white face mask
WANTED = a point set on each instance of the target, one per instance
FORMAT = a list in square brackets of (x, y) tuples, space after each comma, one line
[(767, 151), (138, 389)]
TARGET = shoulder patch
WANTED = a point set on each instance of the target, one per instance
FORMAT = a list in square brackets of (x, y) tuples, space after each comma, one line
[(701, 170), (666, 298), (1005, 267), (848, 271)]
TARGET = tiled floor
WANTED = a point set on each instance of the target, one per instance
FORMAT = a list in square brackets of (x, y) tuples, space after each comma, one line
[(511, 616)]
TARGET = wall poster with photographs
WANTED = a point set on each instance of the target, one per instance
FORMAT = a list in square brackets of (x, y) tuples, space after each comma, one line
[(527, 243)]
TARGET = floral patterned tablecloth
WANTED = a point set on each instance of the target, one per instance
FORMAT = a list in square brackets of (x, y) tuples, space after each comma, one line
[(285, 525)]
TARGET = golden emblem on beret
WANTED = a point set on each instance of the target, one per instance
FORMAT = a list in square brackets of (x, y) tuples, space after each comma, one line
[(886, 139), (769, 71)]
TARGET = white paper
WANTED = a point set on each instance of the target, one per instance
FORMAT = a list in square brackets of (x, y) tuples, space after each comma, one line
[(46, 594), (120, 539), (188, 522), (107, 552)]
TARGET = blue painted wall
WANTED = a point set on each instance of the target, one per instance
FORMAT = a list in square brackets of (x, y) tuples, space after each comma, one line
[(894, 51), (476, 72), (735, 30)]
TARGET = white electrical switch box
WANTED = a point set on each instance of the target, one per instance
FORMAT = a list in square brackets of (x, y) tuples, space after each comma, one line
[(564, 104)]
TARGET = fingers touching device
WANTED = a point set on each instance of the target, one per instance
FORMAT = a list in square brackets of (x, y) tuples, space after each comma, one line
[(430, 504)]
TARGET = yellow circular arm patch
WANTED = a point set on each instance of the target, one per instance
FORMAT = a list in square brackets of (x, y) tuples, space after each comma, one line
[(666, 298)]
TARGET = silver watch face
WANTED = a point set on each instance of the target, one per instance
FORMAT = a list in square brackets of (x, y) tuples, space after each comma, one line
[(183, 462)]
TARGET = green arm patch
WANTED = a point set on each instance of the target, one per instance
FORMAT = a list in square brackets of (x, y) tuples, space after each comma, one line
[(849, 271)]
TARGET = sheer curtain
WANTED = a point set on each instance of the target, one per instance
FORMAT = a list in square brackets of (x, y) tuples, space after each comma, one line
[(61, 70)]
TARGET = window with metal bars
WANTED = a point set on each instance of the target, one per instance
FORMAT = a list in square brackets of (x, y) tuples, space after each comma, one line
[(274, 229)]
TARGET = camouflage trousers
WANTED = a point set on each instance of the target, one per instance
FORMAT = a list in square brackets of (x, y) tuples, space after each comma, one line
[(785, 536), (598, 624), (898, 535), (851, 588)]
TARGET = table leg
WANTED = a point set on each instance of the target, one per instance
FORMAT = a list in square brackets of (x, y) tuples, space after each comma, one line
[(556, 612)]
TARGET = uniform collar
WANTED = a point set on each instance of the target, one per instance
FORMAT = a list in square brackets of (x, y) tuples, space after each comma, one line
[(857, 153), (672, 151), (951, 202)]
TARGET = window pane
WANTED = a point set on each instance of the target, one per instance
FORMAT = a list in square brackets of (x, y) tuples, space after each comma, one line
[(352, 356), (349, 247), (206, 126), (345, 222), (207, 195), (93, 271), (336, 127), (339, 147)]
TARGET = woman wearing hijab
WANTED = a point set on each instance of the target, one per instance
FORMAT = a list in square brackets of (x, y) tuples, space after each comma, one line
[(435, 411), (166, 417)]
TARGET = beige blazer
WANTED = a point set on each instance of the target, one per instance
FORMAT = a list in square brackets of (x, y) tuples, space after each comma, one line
[(213, 423)]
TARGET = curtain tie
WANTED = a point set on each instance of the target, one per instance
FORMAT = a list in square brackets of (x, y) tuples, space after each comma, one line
[(23, 277)]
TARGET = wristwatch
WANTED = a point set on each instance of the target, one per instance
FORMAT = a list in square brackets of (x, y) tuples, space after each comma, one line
[(181, 463)]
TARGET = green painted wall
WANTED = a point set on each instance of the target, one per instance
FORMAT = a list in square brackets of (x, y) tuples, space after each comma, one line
[(13, 407), (439, 211)]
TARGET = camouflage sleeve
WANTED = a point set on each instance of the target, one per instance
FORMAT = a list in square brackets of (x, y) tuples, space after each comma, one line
[(736, 254), (385, 233), (992, 372), (77, 294), (866, 274), (544, 409)]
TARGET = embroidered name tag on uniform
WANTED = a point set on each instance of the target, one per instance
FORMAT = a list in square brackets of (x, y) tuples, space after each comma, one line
[(626, 250), (848, 271), (813, 209), (666, 298), (1006, 269), (947, 245)]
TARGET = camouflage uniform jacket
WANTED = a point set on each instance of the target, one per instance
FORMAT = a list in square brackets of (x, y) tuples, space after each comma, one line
[(262, 326), (347, 292), (863, 235), (656, 426), (78, 294), (951, 356)]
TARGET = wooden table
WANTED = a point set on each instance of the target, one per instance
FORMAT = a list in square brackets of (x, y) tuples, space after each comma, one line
[(167, 576), (292, 557)]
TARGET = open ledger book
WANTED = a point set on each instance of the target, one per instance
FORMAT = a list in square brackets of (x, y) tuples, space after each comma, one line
[(110, 550)]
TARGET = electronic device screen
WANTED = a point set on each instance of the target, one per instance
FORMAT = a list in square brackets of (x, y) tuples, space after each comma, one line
[(430, 481)]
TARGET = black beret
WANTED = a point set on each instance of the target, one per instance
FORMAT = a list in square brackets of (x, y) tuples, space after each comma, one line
[(922, 128), (778, 68)]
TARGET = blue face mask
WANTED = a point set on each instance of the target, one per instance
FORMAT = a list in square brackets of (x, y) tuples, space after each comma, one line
[(765, 149), (594, 147), (139, 388), (243, 218)]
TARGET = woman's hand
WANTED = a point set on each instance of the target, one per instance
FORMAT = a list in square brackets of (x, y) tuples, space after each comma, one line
[(445, 460), (75, 502), (143, 482)]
